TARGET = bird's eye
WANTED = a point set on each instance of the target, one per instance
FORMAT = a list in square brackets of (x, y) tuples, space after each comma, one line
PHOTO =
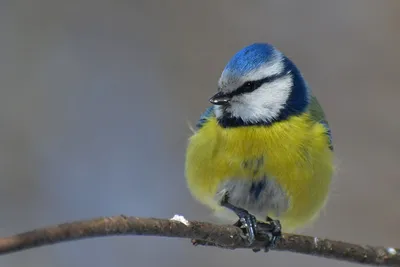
[(249, 86), (246, 87)]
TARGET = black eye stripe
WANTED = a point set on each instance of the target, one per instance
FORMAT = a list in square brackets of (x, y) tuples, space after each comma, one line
[(251, 86)]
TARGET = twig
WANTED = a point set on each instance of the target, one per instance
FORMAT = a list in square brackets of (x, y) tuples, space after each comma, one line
[(224, 236)]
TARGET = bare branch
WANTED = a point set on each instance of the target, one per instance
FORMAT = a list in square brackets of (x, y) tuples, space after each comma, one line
[(225, 236)]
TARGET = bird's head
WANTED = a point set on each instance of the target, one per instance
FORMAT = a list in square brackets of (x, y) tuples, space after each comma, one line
[(259, 86)]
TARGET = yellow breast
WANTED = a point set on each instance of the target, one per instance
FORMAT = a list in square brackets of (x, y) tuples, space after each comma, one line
[(295, 153)]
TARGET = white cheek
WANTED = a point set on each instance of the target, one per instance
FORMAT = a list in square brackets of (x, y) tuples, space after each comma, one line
[(265, 103)]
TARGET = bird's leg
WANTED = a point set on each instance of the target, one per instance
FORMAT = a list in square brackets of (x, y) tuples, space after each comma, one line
[(246, 220)]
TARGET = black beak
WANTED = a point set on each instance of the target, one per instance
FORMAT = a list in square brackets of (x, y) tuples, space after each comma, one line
[(219, 99)]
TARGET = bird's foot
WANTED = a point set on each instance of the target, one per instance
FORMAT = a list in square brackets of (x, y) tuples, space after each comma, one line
[(271, 230), (246, 221)]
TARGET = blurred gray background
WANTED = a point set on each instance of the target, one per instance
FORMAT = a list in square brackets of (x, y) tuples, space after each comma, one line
[(96, 97)]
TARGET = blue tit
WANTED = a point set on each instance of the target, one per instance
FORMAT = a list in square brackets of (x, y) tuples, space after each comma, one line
[(263, 150)]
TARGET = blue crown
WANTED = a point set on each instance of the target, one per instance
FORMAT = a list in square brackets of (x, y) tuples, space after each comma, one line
[(250, 58)]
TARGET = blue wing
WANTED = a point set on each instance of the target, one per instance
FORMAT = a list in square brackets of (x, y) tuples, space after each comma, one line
[(318, 115), (328, 132), (208, 113)]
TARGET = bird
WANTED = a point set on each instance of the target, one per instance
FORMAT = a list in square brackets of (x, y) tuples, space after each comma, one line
[(262, 151)]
